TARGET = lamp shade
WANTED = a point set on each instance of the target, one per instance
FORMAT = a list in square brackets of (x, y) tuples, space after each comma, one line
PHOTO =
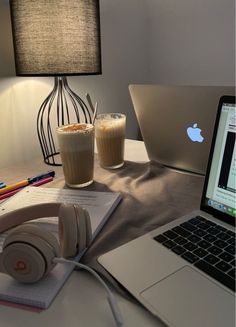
[(56, 37)]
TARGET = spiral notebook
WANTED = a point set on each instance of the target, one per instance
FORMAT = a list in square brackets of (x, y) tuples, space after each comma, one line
[(41, 294)]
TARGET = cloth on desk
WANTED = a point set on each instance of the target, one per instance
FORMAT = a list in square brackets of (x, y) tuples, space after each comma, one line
[(152, 196)]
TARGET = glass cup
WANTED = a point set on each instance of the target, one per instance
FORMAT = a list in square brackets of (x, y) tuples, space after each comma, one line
[(110, 139), (76, 143)]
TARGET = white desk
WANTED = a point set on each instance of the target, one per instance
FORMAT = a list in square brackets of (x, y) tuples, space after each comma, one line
[(82, 301)]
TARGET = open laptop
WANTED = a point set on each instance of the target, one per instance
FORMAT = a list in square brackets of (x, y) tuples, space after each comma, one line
[(177, 122), (184, 272)]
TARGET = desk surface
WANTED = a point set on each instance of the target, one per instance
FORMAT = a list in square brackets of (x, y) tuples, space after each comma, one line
[(82, 300)]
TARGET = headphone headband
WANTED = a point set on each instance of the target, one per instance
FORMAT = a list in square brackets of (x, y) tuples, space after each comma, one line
[(19, 216)]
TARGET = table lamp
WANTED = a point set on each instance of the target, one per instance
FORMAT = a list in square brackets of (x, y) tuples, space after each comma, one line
[(57, 38)]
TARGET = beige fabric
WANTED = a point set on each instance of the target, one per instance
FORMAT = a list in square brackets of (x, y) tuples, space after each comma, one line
[(152, 195)]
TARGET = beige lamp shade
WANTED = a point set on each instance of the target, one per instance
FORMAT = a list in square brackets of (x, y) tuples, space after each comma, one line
[(56, 37)]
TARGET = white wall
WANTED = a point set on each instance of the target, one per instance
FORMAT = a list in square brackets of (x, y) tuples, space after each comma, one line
[(192, 41), (157, 41)]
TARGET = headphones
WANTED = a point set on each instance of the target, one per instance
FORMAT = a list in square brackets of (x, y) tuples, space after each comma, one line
[(29, 251)]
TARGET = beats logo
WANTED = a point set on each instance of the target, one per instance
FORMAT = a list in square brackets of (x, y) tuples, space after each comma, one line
[(21, 266)]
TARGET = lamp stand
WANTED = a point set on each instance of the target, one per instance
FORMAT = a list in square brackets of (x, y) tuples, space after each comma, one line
[(68, 108)]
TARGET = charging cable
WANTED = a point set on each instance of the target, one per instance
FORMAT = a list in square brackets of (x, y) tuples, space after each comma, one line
[(110, 297)]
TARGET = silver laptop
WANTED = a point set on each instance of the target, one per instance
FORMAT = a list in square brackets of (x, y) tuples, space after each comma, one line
[(176, 122), (184, 272)]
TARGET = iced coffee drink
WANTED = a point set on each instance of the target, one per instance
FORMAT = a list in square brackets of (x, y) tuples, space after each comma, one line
[(76, 143), (110, 137)]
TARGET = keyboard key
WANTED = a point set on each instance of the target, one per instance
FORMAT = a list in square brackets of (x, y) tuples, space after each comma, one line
[(201, 218), (200, 252), (233, 263), (204, 244), (231, 241), (160, 238), (180, 240), (231, 273), (194, 221), (223, 236), (221, 228), (221, 244), (209, 238), (170, 234), (194, 238), (190, 257), (210, 223), (213, 231), (203, 226), (181, 231), (230, 249), (216, 274), (231, 233), (223, 266), (188, 227), (169, 244), (200, 232), (190, 246), (214, 250), (226, 256), (178, 250), (210, 258)]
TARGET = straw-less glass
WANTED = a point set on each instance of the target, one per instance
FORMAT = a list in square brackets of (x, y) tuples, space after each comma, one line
[(76, 142), (110, 137)]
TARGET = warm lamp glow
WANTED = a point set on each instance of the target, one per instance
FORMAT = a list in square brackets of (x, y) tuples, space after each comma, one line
[(55, 37)]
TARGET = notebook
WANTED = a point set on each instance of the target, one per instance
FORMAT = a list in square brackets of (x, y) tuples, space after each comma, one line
[(176, 122), (184, 272)]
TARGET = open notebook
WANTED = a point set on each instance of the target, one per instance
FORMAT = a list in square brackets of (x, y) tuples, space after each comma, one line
[(99, 205)]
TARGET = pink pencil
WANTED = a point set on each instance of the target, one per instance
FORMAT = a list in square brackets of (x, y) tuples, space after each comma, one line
[(8, 194), (43, 181)]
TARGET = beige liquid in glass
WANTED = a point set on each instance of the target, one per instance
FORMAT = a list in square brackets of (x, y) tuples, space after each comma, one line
[(76, 143), (110, 137)]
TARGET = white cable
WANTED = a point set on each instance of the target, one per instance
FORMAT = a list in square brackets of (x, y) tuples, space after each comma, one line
[(111, 299)]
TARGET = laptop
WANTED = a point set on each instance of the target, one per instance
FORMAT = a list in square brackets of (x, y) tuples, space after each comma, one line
[(176, 122), (184, 272)]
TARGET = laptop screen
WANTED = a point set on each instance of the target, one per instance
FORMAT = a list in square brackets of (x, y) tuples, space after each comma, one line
[(219, 193)]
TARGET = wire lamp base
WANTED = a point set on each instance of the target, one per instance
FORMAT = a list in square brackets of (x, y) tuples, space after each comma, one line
[(61, 107)]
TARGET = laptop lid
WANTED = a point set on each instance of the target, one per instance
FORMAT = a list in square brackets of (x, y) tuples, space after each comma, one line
[(219, 192), (177, 122)]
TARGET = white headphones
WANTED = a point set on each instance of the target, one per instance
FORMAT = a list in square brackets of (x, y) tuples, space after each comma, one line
[(28, 250)]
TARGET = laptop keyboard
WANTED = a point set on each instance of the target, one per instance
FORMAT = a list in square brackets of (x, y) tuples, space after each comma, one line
[(205, 244)]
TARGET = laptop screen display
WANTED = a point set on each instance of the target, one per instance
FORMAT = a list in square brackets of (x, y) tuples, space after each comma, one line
[(219, 196)]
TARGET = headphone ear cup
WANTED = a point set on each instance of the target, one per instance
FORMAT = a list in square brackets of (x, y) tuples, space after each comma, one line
[(88, 228), (84, 228), (36, 231), (67, 227), (28, 252)]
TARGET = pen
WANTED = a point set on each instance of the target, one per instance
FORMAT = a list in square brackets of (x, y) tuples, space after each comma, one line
[(2, 185), (36, 178), (13, 187), (38, 183)]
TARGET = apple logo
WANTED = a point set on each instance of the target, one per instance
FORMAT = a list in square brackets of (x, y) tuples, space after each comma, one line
[(194, 133)]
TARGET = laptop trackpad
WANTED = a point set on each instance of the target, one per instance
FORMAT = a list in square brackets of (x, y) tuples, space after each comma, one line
[(188, 298)]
